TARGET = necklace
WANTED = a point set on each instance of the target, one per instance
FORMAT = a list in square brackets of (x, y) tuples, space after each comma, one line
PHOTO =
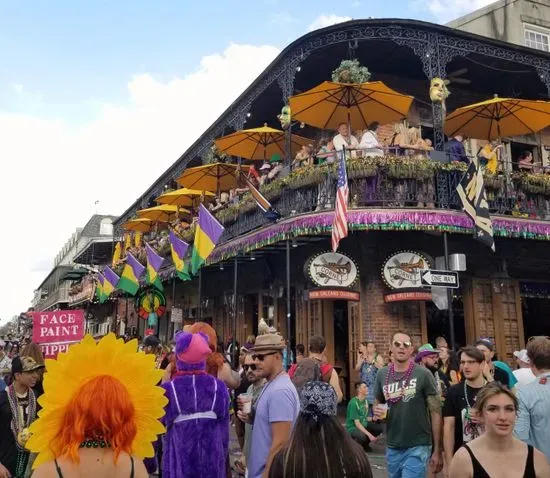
[(392, 376), (468, 401)]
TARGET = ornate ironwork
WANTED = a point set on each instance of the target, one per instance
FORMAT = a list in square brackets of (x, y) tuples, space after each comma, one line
[(434, 48)]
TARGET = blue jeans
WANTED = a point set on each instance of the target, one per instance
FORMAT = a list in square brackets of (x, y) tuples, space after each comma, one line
[(408, 462)]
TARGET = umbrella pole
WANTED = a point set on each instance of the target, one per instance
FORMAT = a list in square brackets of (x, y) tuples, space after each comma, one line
[(234, 342), (288, 313)]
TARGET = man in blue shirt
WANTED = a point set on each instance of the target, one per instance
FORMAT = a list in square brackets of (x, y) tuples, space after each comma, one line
[(456, 151), (533, 422)]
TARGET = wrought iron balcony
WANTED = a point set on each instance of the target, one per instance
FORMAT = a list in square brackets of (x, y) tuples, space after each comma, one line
[(389, 182)]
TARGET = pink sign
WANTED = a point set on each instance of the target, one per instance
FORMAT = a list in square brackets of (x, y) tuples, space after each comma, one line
[(55, 331)]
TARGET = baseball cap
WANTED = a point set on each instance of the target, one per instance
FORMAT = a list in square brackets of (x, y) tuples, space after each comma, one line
[(522, 355), (425, 351), (24, 364)]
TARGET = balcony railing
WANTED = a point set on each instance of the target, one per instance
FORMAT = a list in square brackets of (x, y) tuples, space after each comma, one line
[(388, 183)]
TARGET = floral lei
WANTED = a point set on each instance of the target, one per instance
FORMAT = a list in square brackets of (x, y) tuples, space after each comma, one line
[(391, 376)]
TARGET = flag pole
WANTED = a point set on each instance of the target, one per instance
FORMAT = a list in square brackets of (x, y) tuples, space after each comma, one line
[(199, 309), (449, 295)]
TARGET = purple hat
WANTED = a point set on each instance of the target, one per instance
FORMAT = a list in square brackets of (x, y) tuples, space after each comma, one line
[(425, 351)]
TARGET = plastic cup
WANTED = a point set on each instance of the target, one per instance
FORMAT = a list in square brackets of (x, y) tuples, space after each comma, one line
[(246, 401), (385, 412)]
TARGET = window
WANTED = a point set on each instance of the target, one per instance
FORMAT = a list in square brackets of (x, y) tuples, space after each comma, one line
[(537, 40), (106, 227)]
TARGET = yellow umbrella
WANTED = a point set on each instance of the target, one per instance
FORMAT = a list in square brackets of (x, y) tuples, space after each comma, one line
[(162, 213), (212, 177), (184, 197), (499, 117), (358, 104), (138, 225), (258, 143)]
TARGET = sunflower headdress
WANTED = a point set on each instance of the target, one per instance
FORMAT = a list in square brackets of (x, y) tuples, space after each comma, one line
[(73, 406)]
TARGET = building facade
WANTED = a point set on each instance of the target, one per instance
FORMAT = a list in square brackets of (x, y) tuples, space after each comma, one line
[(501, 295)]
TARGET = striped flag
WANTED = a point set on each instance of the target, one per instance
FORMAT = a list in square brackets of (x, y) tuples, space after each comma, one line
[(129, 280), (154, 263), (207, 234), (340, 222), (269, 211), (100, 294), (179, 249), (471, 190), (110, 282)]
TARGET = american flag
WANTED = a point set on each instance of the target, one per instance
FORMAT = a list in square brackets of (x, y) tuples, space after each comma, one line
[(340, 222)]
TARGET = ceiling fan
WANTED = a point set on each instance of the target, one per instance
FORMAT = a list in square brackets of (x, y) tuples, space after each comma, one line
[(457, 78)]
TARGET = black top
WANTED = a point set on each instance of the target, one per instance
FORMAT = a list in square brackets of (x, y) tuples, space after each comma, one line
[(8, 447), (60, 475), (479, 471), (456, 406)]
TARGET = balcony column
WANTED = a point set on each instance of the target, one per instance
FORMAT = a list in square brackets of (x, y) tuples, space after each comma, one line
[(544, 75)]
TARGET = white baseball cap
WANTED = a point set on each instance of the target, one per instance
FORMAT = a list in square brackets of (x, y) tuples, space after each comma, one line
[(522, 355)]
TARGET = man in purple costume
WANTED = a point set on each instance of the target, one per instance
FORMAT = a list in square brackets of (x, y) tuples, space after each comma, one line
[(197, 415)]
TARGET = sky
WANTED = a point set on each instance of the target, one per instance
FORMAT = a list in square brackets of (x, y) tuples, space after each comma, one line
[(98, 98)]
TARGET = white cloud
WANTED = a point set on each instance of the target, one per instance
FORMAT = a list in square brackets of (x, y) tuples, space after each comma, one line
[(323, 21), (55, 171), (17, 87), (447, 10)]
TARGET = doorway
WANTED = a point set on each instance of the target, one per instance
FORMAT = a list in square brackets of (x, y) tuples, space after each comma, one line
[(535, 312), (341, 345), (438, 322)]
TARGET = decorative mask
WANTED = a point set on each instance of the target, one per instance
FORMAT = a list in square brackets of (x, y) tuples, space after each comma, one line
[(438, 90), (285, 117)]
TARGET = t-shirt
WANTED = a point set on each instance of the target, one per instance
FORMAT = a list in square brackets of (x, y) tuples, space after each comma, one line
[(523, 376), (408, 421), (357, 410), (278, 402), (457, 407), (255, 392)]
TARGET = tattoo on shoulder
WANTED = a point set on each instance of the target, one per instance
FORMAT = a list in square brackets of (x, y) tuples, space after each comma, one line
[(434, 403)]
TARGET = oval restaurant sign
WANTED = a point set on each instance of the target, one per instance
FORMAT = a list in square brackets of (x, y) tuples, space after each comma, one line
[(402, 270), (332, 269)]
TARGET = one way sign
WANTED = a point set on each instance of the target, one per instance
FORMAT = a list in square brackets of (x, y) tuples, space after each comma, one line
[(429, 278)]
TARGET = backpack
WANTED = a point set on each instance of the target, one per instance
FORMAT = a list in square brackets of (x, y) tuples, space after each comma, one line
[(308, 370)]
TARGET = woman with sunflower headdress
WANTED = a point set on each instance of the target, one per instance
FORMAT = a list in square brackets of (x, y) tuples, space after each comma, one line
[(100, 412)]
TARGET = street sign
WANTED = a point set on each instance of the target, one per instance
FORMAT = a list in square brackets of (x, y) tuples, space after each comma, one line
[(448, 279)]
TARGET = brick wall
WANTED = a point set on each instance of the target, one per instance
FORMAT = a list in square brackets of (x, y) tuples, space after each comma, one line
[(381, 320)]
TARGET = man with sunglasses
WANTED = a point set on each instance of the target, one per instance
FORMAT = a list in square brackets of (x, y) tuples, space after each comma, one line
[(276, 407), (413, 413), (254, 389)]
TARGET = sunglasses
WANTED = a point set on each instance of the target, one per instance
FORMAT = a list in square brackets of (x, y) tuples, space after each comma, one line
[(399, 344), (538, 337), (252, 367), (261, 357)]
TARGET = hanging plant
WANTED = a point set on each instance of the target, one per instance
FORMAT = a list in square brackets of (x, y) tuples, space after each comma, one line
[(273, 190), (306, 176), (493, 181), (362, 167), (351, 71)]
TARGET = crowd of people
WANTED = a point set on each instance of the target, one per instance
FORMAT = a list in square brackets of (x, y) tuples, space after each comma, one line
[(462, 413)]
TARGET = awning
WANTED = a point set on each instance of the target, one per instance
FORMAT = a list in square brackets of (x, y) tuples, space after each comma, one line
[(75, 274)]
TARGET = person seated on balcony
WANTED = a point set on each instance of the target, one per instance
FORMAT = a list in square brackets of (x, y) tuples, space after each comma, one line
[(277, 169), (456, 151), (216, 205), (488, 156), (399, 141), (304, 157), (344, 139), (417, 146), (526, 162), (224, 198), (369, 142), (326, 154), (264, 170)]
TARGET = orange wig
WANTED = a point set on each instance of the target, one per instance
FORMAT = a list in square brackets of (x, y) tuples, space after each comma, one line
[(102, 407), (215, 360)]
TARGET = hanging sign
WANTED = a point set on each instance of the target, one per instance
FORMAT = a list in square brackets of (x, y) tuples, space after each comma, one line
[(408, 296), (402, 270), (176, 315), (333, 294), (332, 269), (55, 331)]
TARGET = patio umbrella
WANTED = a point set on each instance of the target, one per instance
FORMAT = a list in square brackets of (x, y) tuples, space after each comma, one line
[(211, 177), (258, 143), (358, 104), (138, 225), (499, 117), (184, 197), (162, 213)]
